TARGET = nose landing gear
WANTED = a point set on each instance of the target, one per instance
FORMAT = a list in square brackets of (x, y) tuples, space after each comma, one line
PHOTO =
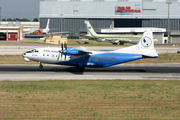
[(40, 66)]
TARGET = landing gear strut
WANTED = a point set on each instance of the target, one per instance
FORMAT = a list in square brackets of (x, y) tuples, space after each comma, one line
[(40, 66), (80, 69)]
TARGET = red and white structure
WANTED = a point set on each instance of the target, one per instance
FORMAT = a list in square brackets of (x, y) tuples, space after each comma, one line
[(11, 33)]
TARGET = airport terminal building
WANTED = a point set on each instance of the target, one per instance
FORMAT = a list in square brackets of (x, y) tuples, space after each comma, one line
[(69, 15)]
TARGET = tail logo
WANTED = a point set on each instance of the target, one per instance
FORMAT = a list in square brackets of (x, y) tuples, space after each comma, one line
[(89, 27), (146, 41)]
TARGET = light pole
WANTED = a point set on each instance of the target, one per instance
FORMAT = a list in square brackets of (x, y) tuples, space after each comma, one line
[(168, 2), (0, 13), (61, 21)]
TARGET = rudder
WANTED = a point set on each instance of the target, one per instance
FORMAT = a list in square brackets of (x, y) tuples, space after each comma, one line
[(90, 30), (146, 40)]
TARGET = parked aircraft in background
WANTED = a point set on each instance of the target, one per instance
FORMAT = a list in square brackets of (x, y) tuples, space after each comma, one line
[(43, 31), (117, 39), (46, 30), (81, 57)]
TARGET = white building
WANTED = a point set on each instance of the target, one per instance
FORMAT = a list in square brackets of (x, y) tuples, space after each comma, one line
[(69, 15)]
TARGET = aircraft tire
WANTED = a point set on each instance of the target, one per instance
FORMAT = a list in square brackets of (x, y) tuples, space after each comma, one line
[(80, 69), (41, 66), (120, 43)]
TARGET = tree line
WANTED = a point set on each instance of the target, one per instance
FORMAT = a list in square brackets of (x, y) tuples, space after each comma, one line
[(21, 20)]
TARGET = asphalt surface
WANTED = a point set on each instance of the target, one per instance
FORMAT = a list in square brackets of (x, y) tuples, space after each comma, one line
[(122, 71), (55, 72)]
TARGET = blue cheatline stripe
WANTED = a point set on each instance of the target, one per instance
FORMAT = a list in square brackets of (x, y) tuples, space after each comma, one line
[(102, 59)]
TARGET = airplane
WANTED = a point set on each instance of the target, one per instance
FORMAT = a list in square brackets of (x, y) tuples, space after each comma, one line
[(115, 39), (81, 57), (46, 30), (43, 31)]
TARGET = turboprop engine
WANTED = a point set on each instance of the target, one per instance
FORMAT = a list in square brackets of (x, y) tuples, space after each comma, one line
[(74, 52)]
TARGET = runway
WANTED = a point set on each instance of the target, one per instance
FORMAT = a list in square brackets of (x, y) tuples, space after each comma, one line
[(122, 71), (18, 50)]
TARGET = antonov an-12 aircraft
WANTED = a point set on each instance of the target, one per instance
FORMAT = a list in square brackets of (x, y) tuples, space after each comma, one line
[(81, 57)]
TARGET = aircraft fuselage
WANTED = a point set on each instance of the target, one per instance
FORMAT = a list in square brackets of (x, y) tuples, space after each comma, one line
[(97, 59)]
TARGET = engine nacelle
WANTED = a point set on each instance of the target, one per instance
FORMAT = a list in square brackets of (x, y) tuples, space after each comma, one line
[(74, 52)]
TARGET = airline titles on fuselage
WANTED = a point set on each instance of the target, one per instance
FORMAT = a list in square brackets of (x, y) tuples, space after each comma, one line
[(51, 51)]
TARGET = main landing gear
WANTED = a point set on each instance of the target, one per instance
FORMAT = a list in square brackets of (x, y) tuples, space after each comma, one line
[(40, 66), (80, 69)]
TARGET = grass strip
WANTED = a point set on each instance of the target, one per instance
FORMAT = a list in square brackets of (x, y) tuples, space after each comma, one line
[(85, 99)]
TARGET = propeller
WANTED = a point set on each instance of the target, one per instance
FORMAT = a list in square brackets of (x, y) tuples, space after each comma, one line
[(62, 51)]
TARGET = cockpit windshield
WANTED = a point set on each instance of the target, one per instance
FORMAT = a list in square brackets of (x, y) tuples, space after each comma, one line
[(33, 51)]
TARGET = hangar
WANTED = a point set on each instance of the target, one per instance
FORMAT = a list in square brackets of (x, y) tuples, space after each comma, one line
[(28, 27), (69, 15)]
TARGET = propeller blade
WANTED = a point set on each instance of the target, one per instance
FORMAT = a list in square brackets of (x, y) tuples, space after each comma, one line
[(58, 55), (65, 45), (62, 46), (61, 49)]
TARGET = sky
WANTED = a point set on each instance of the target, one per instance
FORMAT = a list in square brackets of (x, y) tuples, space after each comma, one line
[(20, 9)]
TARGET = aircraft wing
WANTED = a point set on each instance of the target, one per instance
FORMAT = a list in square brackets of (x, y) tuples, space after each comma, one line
[(128, 40), (83, 49), (121, 40), (59, 32), (118, 40), (78, 51)]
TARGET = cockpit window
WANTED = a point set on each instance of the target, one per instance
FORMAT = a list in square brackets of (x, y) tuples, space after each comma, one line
[(33, 51), (29, 52), (36, 51)]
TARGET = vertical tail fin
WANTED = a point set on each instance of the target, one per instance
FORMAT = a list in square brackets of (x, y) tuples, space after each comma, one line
[(145, 46), (146, 40), (89, 29), (47, 26)]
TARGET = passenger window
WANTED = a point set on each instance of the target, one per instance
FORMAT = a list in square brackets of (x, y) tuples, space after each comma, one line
[(47, 54), (43, 54), (52, 55), (96, 59)]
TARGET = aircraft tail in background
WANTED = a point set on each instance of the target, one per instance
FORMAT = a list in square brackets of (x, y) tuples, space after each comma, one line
[(90, 30), (47, 27)]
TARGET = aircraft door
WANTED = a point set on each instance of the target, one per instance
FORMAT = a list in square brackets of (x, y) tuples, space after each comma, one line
[(98, 60)]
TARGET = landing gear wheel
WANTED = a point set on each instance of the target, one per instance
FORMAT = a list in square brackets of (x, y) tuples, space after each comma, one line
[(41, 66), (120, 43), (80, 69)]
